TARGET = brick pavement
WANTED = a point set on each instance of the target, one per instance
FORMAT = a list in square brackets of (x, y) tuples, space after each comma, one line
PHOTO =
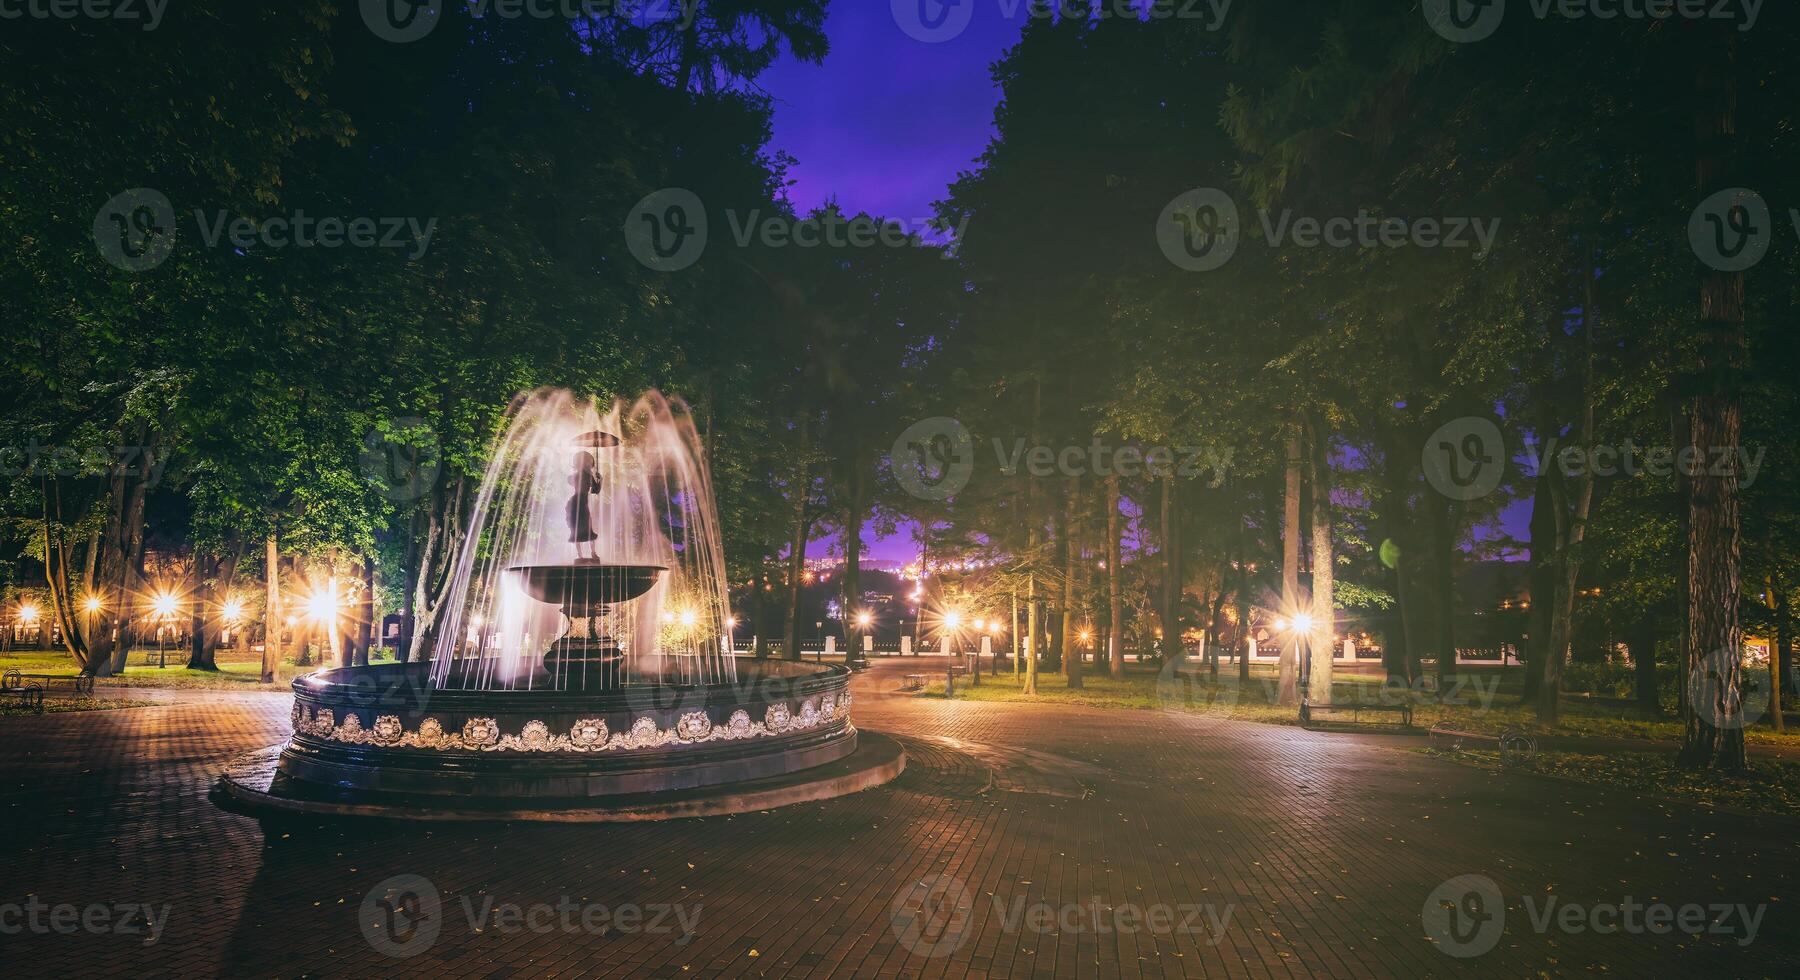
[(1323, 848)]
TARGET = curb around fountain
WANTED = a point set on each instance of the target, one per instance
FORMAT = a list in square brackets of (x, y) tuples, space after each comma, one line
[(252, 785)]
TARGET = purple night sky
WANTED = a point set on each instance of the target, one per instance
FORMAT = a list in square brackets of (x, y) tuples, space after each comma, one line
[(885, 125)]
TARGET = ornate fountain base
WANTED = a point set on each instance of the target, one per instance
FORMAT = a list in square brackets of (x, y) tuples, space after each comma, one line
[(381, 740)]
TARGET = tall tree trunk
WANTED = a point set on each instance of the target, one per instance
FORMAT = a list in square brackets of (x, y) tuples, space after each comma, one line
[(272, 615), (1714, 735), (852, 581), (366, 623), (1784, 642), (1324, 610), (132, 537), (200, 652), (1443, 522), (1033, 628), (759, 609), (1288, 674), (1115, 601), (797, 548), (1778, 653), (403, 646), (1641, 642), (1172, 650), (1071, 650)]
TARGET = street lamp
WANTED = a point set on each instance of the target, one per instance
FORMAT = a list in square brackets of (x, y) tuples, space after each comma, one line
[(164, 605)]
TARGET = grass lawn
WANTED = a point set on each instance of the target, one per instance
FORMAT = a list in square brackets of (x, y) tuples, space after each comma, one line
[(1486, 701), (1771, 785), (236, 672)]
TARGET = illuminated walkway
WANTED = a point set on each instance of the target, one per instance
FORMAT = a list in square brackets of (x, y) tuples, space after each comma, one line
[(1022, 841)]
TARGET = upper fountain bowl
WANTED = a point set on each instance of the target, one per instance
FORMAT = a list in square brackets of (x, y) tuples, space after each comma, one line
[(587, 583)]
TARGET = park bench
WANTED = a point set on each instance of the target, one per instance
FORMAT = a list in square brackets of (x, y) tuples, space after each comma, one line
[(912, 682), (1355, 709), (29, 694)]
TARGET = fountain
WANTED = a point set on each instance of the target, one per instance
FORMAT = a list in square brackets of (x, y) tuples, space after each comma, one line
[(581, 663)]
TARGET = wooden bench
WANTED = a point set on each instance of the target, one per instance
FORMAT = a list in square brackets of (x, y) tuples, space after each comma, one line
[(912, 682), (30, 694), (1355, 709)]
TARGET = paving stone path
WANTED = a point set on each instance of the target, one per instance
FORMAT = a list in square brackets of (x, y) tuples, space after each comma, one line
[(1023, 840)]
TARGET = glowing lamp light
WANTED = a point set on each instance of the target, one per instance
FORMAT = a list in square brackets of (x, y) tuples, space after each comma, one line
[(1303, 623), (953, 620), (731, 622), (92, 604), (163, 605), (321, 606), (1281, 624), (28, 613), (981, 626), (864, 619), (233, 609), (687, 617), (1087, 636)]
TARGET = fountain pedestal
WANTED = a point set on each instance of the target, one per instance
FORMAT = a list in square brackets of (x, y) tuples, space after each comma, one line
[(583, 658)]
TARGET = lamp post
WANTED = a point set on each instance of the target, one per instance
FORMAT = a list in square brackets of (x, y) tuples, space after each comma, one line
[(90, 607), (1302, 626), (28, 614), (164, 606)]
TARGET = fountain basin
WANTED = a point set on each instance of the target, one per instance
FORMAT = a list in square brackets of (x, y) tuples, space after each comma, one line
[(385, 731)]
